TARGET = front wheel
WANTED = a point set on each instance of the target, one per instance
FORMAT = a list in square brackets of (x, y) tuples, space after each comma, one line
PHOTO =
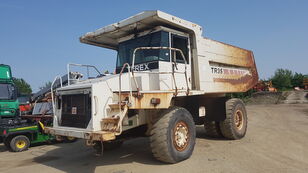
[(173, 135), (20, 143)]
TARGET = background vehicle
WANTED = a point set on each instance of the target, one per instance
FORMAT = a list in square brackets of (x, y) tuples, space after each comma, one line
[(24, 104), (305, 82), (18, 135), (168, 78), (8, 94), (264, 86), (22, 119)]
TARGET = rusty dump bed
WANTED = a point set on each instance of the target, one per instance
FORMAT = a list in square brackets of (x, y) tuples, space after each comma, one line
[(231, 69)]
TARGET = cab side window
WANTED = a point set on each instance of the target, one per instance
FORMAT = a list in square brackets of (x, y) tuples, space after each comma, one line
[(181, 43)]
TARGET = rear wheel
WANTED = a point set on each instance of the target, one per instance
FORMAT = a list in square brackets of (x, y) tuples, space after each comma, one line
[(173, 135), (212, 129), (235, 124), (20, 143)]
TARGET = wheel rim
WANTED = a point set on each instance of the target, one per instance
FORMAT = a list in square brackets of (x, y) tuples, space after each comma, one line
[(180, 136), (20, 144), (239, 119)]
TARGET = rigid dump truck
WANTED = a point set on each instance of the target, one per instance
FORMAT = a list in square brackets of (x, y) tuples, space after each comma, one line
[(168, 78), (9, 105)]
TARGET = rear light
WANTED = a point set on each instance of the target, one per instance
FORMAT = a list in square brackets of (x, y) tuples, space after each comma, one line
[(4, 132), (12, 111)]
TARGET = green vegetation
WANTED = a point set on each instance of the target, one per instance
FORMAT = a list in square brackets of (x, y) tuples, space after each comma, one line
[(285, 79), (47, 84), (23, 87), (297, 80), (282, 80), (244, 96)]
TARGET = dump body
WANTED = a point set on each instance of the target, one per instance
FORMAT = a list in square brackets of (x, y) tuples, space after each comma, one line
[(224, 68)]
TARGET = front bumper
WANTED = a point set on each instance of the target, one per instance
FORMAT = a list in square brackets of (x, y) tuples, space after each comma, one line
[(78, 133)]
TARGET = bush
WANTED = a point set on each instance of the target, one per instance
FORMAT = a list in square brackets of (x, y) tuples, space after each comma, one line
[(297, 80), (282, 79), (22, 86)]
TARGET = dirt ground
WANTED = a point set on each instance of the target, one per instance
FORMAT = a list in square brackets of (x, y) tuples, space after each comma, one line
[(276, 141)]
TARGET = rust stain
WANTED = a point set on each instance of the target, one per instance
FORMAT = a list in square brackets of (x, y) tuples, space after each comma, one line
[(143, 100), (235, 57), (238, 81), (241, 84)]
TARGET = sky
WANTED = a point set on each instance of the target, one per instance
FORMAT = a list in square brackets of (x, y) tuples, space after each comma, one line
[(38, 38)]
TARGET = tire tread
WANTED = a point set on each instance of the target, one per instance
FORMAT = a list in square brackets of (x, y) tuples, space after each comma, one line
[(226, 126)]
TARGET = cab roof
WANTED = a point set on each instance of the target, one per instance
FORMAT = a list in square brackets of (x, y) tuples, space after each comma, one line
[(5, 72), (110, 35)]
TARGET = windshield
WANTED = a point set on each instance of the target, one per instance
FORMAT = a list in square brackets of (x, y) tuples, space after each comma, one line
[(157, 39), (7, 92)]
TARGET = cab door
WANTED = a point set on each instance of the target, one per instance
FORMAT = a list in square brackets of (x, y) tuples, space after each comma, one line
[(182, 76)]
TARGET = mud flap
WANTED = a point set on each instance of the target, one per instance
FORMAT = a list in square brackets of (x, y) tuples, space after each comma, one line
[(215, 109)]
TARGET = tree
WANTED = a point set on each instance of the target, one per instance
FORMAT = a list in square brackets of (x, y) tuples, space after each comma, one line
[(282, 79), (23, 87), (47, 84), (297, 80)]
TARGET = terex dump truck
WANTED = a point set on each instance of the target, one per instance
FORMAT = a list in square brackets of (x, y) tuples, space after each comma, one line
[(167, 79)]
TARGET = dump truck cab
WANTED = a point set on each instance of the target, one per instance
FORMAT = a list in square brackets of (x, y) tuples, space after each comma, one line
[(8, 94), (168, 77)]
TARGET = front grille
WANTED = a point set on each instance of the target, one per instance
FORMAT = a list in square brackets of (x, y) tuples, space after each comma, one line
[(76, 110)]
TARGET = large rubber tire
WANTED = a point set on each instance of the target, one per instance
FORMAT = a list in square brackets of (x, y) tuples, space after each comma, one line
[(112, 145), (19, 143), (234, 127), (173, 135), (212, 129)]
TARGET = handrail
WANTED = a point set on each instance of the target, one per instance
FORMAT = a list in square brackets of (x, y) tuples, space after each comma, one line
[(51, 90), (174, 59), (131, 71), (120, 84), (80, 65)]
